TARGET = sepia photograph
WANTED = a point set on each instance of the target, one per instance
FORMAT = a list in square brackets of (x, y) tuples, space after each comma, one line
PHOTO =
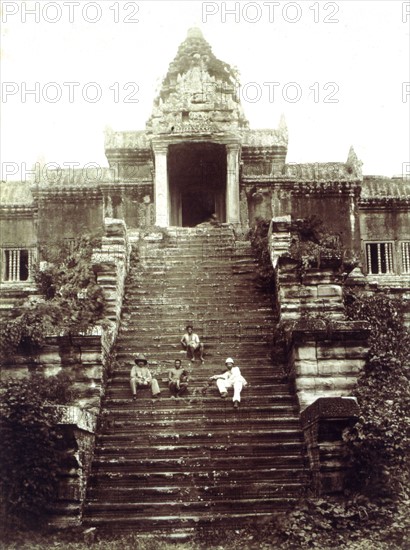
[(205, 275)]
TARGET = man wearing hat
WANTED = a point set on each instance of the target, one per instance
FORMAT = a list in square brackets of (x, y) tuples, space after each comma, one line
[(141, 377), (232, 378), (190, 341)]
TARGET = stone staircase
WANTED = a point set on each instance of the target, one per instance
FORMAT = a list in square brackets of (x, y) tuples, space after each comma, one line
[(169, 464)]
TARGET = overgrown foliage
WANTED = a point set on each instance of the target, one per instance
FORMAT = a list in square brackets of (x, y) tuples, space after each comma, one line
[(380, 440), (29, 445), (71, 300), (259, 237), (269, 535), (312, 243)]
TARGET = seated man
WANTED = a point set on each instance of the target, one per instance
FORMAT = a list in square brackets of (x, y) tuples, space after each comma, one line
[(178, 379), (211, 221), (231, 378), (190, 342), (141, 377)]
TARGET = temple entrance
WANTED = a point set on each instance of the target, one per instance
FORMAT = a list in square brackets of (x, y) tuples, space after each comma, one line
[(197, 182)]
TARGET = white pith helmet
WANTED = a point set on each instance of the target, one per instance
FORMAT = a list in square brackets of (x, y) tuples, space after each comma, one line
[(229, 360)]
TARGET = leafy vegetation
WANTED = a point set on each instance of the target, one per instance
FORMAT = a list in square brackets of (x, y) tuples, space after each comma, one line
[(71, 301), (269, 536), (375, 507), (311, 243), (380, 440), (259, 237), (29, 460)]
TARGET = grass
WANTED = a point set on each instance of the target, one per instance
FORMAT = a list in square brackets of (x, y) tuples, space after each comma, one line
[(240, 539)]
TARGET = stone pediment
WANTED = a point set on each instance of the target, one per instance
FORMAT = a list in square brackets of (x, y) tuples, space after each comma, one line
[(199, 94), (265, 138)]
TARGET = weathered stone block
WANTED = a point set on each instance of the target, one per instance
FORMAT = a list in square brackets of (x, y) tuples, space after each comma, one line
[(307, 351), (356, 352), (51, 370), (327, 367), (336, 407), (95, 372), (327, 350), (350, 367), (306, 368), (328, 291), (342, 367), (307, 383), (50, 358)]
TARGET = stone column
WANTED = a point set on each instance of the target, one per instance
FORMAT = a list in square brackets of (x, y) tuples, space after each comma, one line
[(232, 184), (161, 185)]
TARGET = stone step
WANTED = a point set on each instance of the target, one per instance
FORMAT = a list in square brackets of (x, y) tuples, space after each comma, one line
[(183, 525), (198, 466), (278, 409), (280, 454), (173, 464), (201, 391), (200, 395), (195, 447), (278, 471), (264, 489), (126, 519), (213, 431), (164, 354)]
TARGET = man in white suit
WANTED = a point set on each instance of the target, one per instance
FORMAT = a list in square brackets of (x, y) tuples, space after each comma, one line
[(232, 378)]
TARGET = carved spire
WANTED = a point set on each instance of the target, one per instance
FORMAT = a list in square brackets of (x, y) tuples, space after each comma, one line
[(195, 32), (283, 128), (354, 164), (199, 92)]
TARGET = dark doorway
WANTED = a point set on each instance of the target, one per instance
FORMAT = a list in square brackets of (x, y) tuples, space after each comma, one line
[(197, 182)]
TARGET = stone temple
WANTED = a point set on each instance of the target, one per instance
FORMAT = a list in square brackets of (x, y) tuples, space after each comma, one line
[(162, 265)]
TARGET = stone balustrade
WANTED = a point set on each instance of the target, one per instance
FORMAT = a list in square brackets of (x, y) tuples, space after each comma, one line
[(325, 353)]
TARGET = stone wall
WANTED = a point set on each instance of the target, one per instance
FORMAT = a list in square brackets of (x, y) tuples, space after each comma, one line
[(322, 199), (64, 214), (18, 226), (77, 427), (324, 361), (86, 358), (323, 424), (134, 203), (324, 353)]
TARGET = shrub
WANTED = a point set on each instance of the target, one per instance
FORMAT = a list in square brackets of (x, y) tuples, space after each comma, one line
[(380, 441), (29, 459), (260, 245), (312, 243), (71, 300)]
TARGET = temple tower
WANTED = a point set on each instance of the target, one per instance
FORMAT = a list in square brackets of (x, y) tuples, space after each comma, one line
[(194, 141)]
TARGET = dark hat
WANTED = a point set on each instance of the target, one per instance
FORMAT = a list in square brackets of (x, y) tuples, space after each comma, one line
[(189, 326), (140, 357)]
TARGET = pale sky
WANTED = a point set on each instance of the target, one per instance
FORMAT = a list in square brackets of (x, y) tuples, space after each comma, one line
[(359, 59)]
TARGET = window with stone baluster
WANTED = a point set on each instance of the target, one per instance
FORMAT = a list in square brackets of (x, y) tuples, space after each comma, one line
[(17, 264), (405, 257), (379, 258)]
